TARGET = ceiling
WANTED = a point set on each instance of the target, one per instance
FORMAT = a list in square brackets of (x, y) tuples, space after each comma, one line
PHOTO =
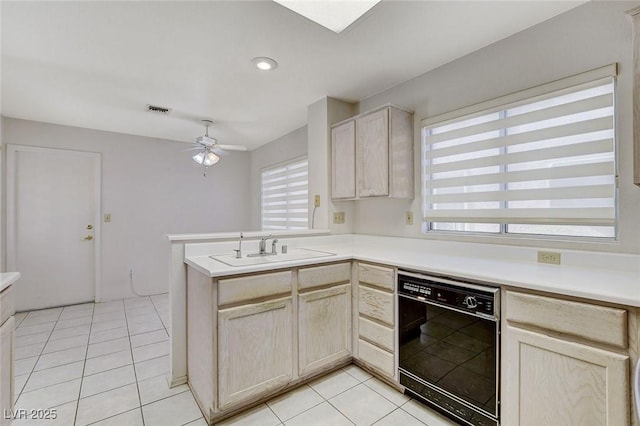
[(98, 64)]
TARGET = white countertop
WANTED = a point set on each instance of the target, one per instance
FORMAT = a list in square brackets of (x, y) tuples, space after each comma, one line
[(8, 278), (598, 276)]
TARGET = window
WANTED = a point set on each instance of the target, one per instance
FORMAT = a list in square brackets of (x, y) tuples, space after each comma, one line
[(540, 162), (284, 196)]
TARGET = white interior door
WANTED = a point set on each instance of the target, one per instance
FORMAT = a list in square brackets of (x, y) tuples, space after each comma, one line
[(53, 225)]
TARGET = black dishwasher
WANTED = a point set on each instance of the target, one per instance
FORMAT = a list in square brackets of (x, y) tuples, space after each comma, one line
[(449, 345)]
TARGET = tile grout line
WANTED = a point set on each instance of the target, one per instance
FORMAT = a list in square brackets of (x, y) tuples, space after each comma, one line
[(362, 382), (304, 411), (36, 363), (56, 322), (84, 366), (110, 417), (135, 373), (159, 316), (340, 393), (400, 408), (323, 401), (23, 318), (136, 408), (372, 377)]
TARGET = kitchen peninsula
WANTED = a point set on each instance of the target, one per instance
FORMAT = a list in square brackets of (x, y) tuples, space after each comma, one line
[(584, 310)]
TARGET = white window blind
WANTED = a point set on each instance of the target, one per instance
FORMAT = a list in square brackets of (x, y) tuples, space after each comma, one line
[(285, 196), (544, 158)]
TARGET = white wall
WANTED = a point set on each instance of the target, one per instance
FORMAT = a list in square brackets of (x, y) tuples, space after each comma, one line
[(288, 147), (312, 141), (321, 115), (590, 36), (151, 187), (2, 189)]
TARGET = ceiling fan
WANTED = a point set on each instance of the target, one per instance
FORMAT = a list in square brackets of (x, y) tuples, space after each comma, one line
[(210, 149)]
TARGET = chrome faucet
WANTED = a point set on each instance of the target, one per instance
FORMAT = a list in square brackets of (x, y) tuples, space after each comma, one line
[(239, 249), (263, 244), (263, 247)]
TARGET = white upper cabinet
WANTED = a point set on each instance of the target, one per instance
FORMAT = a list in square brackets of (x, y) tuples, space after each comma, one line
[(372, 155), (343, 160)]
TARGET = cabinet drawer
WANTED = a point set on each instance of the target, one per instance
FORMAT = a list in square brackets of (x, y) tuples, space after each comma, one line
[(324, 275), (376, 304), (592, 322), (376, 333), (7, 307), (253, 287), (378, 358), (377, 276)]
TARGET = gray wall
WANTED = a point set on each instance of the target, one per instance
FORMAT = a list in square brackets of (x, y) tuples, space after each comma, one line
[(588, 37), (288, 147), (151, 187)]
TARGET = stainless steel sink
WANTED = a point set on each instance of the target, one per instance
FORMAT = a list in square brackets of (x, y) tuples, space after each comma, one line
[(292, 254)]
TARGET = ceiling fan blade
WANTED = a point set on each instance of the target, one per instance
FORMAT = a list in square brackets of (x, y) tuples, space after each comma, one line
[(219, 151), (232, 147)]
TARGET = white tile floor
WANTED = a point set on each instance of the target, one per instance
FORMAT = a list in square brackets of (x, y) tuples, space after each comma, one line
[(106, 364)]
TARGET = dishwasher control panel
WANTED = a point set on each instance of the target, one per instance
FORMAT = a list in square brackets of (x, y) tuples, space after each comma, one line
[(463, 296)]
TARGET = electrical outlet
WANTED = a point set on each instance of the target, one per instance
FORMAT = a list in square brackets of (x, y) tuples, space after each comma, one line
[(316, 201), (338, 217), (551, 257), (107, 217), (409, 218)]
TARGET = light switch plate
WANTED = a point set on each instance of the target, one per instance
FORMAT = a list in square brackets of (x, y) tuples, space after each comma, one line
[(107, 217)]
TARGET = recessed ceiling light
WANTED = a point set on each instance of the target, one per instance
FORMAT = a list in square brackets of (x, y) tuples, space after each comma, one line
[(335, 15), (264, 64)]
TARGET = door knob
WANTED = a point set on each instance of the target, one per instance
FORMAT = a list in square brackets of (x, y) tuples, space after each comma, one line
[(88, 238), (89, 226)]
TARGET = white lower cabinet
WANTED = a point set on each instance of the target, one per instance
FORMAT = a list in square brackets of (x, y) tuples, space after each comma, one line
[(550, 381), (559, 368), (6, 370), (255, 350), (324, 334), (376, 307), (251, 336)]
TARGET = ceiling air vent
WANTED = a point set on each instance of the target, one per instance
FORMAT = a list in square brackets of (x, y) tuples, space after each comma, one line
[(158, 109)]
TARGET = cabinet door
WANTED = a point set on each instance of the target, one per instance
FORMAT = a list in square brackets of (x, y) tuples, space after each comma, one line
[(372, 145), (6, 369), (549, 381), (254, 350), (324, 327), (343, 161)]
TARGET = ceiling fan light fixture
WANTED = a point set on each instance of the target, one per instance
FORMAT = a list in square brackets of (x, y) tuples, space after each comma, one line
[(264, 64), (206, 158), (210, 159), (199, 157)]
